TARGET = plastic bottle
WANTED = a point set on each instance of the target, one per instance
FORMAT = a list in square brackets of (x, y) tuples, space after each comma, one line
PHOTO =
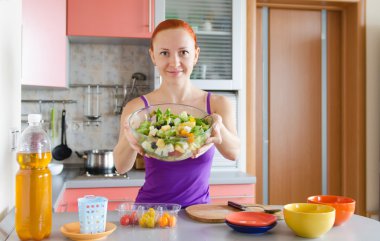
[(33, 212)]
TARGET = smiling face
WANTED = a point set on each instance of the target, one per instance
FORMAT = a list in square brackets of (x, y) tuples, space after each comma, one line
[(175, 54)]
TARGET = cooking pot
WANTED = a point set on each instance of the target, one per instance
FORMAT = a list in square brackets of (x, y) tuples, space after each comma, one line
[(98, 161)]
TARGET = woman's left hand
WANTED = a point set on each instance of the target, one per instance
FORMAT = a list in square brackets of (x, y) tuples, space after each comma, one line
[(215, 137)]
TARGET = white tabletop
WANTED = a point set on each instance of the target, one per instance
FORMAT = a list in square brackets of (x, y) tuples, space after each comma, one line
[(358, 228)]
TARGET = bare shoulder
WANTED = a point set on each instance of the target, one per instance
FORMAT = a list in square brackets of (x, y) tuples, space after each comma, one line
[(220, 104), (132, 106)]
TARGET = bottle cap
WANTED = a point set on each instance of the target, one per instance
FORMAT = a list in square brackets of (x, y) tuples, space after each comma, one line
[(34, 118)]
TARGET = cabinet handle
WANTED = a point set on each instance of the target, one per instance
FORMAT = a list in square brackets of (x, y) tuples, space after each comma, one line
[(232, 196), (150, 16), (15, 134), (119, 200)]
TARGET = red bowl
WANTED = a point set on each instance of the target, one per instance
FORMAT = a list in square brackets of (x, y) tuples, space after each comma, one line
[(344, 206), (251, 219)]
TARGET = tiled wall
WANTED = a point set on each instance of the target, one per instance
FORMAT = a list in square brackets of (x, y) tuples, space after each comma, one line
[(104, 64)]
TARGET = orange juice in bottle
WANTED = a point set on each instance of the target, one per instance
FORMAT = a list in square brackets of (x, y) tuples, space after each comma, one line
[(33, 208)]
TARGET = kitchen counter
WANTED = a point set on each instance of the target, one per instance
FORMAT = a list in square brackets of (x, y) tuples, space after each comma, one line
[(136, 179), (72, 177), (358, 228)]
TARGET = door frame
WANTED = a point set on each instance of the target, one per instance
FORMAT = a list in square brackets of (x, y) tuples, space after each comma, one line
[(353, 183)]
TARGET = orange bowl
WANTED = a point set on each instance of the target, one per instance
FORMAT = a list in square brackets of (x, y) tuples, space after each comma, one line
[(344, 206), (251, 219)]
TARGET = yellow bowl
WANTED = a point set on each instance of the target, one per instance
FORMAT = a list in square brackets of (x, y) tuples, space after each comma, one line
[(309, 220)]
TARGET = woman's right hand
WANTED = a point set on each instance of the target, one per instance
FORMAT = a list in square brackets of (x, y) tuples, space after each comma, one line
[(131, 139)]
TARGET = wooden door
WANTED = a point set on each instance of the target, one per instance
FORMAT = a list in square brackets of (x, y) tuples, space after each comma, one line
[(308, 124), (291, 168), (295, 103)]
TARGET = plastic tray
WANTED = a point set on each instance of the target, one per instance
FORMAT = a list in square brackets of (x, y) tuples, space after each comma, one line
[(149, 215)]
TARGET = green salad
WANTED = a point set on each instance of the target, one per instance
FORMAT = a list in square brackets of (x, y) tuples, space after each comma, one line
[(169, 135)]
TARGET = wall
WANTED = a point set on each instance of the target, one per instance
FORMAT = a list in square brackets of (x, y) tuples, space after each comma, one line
[(10, 92), (373, 102), (104, 64)]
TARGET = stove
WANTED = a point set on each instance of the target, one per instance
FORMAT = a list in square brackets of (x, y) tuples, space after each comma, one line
[(114, 174), (85, 174)]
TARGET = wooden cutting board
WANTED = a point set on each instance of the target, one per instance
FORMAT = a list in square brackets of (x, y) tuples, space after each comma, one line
[(216, 213), (209, 213)]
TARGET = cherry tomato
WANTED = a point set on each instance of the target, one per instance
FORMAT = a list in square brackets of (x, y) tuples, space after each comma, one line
[(163, 221), (132, 218), (125, 220), (172, 221)]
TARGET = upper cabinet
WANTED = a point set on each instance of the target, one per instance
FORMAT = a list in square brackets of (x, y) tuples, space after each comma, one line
[(220, 29), (44, 43), (105, 18)]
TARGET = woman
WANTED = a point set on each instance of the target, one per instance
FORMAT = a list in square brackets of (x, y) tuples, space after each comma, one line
[(174, 51)]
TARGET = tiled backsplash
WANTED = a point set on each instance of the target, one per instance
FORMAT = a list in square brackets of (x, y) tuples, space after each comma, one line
[(103, 64)]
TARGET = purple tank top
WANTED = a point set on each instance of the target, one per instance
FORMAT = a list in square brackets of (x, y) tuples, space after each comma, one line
[(183, 182)]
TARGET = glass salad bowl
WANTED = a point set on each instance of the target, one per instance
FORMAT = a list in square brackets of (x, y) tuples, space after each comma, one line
[(170, 132)]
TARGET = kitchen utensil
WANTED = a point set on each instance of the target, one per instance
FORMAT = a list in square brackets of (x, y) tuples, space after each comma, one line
[(344, 206), (62, 151), (139, 162), (209, 213), (55, 168), (92, 211), (52, 123), (117, 107), (251, 219), (128, 97), (245, 207), (72, 231), (309, 220), (92, 111), (253, 230), (98, 161)]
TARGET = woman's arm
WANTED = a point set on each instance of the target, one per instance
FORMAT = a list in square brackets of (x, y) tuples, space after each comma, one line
[(126, 149), (229, 143)]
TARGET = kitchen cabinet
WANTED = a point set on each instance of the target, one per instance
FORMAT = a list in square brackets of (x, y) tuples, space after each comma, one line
[(219, 194), (10, 105), (240, 193), (104, 18), (115, 195), (44, 43)]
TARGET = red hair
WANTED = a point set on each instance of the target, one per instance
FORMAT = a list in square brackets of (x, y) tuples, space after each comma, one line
[(173, 24)]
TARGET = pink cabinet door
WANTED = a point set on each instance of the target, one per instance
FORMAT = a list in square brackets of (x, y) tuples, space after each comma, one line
[(241, 193), (105, 18), (44, 43), (220, 194), (115, 196)]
